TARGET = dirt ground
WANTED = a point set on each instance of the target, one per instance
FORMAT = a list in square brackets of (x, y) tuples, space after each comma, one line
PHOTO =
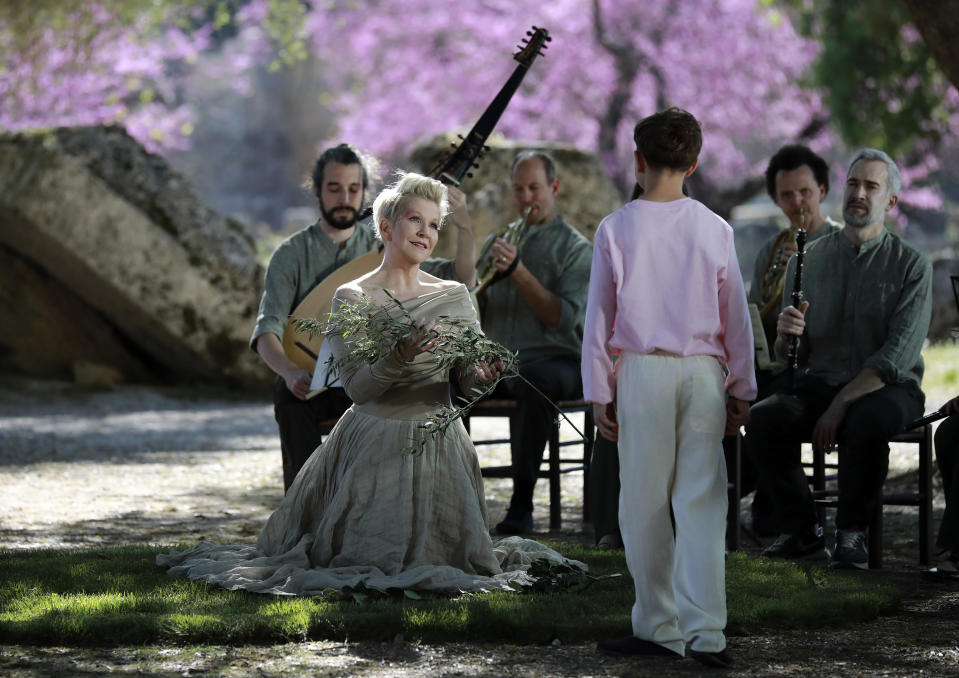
[(82, 467)]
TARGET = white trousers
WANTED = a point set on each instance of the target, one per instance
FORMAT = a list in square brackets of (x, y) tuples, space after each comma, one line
[(672, 415)]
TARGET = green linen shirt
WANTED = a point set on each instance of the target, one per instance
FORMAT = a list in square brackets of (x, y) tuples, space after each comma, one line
[(868, 307), (297, 265), (559, 257)]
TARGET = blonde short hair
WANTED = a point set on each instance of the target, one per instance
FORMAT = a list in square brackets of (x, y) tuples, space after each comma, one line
[(408, 184)]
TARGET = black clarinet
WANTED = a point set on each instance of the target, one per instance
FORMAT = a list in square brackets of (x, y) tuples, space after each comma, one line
[(792, 348)]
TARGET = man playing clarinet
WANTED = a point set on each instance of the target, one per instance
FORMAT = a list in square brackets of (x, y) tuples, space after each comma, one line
[(868, 302)]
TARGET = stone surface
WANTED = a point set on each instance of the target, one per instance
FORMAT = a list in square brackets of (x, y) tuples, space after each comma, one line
[(586, 194), (115, 230)]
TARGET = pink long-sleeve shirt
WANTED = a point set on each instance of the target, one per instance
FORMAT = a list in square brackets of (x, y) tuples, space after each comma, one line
[(665, 278)]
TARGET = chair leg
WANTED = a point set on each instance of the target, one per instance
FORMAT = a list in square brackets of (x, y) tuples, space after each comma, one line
[(875, 539), (819, 481), (925, 497), (734, 490), (589, 429), (555, 513)]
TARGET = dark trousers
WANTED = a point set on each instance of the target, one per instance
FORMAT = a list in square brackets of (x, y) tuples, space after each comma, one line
[(947, 456), (779, 423), (768, 383), (603, 491), (301, 422), (559, 379)]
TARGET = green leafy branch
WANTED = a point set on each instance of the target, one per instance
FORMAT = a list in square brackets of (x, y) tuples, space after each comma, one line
[(373, 331), (552, 577)]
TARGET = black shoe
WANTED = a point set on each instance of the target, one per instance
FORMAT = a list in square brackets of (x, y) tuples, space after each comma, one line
[(763, 524), (715, 660), (763, 518), (796, 545), (942, 574), (948, 570), (851, 550), (513, 525), (631, 646), (609, 542)]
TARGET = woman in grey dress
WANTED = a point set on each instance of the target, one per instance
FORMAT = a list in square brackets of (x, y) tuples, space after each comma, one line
[(362, 510)]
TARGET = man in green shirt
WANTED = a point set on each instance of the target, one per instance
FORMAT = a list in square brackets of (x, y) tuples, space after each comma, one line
[(536, 306), (861, 333), (797, 180), (340, 178)]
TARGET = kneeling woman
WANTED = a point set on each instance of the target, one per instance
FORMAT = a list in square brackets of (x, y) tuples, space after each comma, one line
[(362, 510)]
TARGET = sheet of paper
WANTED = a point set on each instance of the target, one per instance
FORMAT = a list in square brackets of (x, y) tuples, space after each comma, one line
[(322, 378), (764, 358)]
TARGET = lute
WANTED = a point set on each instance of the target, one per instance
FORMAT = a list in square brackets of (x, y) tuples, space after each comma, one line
[(452, 168), (459, 163)]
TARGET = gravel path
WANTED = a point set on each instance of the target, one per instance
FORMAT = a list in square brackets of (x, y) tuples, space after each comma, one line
[(82, 467)]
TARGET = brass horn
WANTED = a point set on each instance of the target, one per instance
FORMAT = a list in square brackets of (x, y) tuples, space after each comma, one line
[(774, 278), (511, 233)]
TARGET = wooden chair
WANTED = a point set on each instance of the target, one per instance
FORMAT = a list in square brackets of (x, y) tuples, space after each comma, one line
[(734, 460), (922, 497), (557, 465)]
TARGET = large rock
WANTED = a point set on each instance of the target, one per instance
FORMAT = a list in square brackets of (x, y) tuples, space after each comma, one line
[(110, 259), (586, 194)]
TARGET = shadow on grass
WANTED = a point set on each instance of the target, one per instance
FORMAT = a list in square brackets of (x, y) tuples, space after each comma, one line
[(118, 596)]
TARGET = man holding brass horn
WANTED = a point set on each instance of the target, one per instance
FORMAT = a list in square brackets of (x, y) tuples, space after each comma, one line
[(869, 302), (535, 305), (797, 180)]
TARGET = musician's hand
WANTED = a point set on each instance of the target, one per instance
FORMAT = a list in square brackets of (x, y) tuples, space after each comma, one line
[(789, 249), (737, 415), (502, 254), (604, 416), (298, 382), (825, 435), (792, 321), (459, 214), (951, 407), (423, 337)]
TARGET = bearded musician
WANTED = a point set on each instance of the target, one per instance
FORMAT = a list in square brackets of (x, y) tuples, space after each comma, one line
[(860, 336), (340, 178)]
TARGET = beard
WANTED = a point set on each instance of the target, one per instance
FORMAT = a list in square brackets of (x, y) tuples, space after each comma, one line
[(861, 220), (341, 221)]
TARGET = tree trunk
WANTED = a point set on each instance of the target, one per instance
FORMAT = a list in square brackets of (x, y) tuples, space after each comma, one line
[(938, 22)]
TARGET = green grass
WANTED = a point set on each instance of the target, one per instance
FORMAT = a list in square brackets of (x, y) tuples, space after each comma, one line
[(117, 596), (941, 369)]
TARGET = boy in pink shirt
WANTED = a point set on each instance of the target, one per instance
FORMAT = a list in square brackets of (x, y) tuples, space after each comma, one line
[(665, 290)]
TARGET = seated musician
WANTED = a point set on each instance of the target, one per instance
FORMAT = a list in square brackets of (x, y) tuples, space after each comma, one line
[(861, 330), (340, 179), (797, 180), (536, 305)]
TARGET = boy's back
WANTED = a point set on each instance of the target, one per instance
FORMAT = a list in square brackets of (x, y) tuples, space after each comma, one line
[(669, 281)]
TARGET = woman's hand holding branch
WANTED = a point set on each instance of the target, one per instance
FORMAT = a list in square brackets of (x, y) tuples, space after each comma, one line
[(422, 338)]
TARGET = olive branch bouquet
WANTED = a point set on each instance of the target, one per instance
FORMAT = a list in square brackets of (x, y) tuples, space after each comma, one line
[(374, 332)]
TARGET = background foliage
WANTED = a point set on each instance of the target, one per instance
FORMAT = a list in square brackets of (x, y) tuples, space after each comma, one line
[(758, 73)]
